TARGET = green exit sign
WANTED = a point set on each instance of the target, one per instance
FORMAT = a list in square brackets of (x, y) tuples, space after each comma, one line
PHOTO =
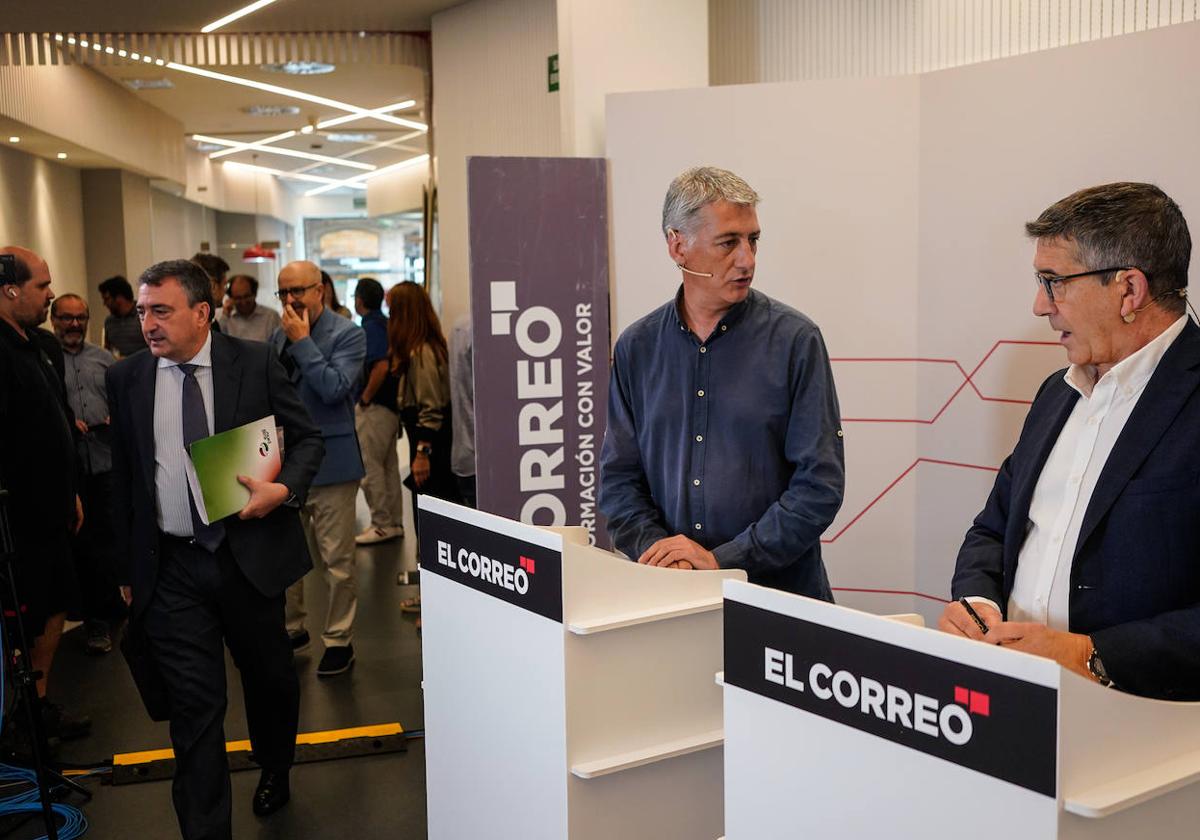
[(552, 73)]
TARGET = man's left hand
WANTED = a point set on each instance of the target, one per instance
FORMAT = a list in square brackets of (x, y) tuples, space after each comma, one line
[(1071, 650), (295, 327), (674, 551), (78, 514), (265, 496)]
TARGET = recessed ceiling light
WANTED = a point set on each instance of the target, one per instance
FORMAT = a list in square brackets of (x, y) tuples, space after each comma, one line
[(271, 110), (14, 139), (62, 155), (350, 137), (149, 84), (299, 68)]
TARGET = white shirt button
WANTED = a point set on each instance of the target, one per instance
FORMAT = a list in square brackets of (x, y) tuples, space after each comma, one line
[(700, 393), (695, 482), (698, 526), (699, 438), (724, 327), (703, 349)]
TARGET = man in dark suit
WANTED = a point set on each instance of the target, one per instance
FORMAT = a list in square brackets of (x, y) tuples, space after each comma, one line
[(1088, 549), (195, 587)]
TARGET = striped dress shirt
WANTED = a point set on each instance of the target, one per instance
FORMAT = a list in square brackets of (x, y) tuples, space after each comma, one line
[(172, 466)]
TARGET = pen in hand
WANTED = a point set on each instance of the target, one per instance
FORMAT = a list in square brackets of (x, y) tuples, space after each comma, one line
[(979, 622)]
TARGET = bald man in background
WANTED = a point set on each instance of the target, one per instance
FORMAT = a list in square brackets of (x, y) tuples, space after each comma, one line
[(323, 355)]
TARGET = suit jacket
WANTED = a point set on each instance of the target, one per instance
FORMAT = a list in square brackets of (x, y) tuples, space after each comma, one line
[(248, 384), (1135, 578), (328, 366)]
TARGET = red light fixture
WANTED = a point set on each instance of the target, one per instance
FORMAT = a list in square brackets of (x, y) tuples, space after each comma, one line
[(257, 254)]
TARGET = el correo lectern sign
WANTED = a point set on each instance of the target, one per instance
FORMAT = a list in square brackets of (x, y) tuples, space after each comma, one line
[(991, 723), (539, 308)]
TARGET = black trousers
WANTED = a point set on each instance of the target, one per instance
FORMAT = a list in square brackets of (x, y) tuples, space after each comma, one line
[(201, 603), (94, 549)]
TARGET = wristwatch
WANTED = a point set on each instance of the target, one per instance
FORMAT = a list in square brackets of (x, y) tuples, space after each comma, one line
[(1096, 668), (424, 449)]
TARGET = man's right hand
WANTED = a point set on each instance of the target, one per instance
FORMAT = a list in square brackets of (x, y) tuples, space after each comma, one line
[(956, 621), (127, 595)]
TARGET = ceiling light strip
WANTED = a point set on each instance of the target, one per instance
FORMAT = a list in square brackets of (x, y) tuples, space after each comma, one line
[(374, 112), (384, 144), (232, 16), (277, 150), (227, 48), (283, 173), (294, 94), (358, 179), (237, 146)]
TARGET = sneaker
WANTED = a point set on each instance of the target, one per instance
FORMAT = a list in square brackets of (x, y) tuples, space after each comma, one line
[(337, 660), (62, 724), (300, 641), (377, 535), (99, 639)]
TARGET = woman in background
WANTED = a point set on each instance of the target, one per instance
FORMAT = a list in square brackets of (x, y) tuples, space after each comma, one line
[(330, 296), (417, 358)]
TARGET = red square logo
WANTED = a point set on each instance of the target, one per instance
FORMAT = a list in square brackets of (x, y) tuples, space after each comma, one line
[(527, 564), (981, 704), (961, 695)]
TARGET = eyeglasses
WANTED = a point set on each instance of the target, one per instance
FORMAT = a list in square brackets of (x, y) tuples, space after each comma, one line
[(295, 291), (72, 319), (1055, 283)]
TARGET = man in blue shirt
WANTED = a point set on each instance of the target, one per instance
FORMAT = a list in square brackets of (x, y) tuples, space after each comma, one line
[(323, 355), (377, 419), (723, 447)]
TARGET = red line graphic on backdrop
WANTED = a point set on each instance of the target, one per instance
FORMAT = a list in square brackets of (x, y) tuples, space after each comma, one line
[(899, 478), (968, 379)]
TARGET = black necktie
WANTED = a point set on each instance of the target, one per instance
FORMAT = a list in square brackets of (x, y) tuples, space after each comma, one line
[(195, 427)]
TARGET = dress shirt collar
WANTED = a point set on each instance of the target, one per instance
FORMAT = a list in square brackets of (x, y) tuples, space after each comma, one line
[(734, 314), (1131, 373), (202, 359)]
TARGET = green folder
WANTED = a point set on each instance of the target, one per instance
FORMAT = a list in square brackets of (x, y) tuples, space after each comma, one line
[(253, 450)]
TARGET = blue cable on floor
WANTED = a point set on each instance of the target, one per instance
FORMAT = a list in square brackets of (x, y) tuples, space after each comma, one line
[(73, 822)]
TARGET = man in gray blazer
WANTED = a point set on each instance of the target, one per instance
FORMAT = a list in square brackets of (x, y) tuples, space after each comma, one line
[(323, 355)]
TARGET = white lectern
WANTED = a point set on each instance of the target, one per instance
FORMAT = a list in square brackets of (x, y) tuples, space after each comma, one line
[(568, 692), (841, 724)]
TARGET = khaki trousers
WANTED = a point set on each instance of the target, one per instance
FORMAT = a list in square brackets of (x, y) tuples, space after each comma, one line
[(377, 429), (328, 518)]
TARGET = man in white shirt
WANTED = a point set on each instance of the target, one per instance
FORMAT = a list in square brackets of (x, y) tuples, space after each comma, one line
[(1087, 550), (244, 318)]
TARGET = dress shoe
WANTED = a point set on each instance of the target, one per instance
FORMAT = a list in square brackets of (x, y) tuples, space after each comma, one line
[(337, 660), (272, 793), (300, 641), (373, 535)]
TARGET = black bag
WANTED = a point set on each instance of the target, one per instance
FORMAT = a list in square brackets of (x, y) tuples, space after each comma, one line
[(135, 647)]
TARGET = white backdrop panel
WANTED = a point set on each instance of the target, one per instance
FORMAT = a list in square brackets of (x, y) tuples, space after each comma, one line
[(892, 215)]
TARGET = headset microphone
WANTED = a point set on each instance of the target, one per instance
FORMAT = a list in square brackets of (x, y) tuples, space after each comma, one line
[(672, 232)]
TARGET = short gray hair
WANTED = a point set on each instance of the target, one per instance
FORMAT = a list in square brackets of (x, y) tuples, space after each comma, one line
[(190, 276), (694, 188), (1124, 224)]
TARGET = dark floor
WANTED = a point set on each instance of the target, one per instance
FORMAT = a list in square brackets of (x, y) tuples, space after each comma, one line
[(380, 796)]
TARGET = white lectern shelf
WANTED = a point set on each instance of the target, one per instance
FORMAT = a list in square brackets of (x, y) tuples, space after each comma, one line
[(568, 692), (867, 722)]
